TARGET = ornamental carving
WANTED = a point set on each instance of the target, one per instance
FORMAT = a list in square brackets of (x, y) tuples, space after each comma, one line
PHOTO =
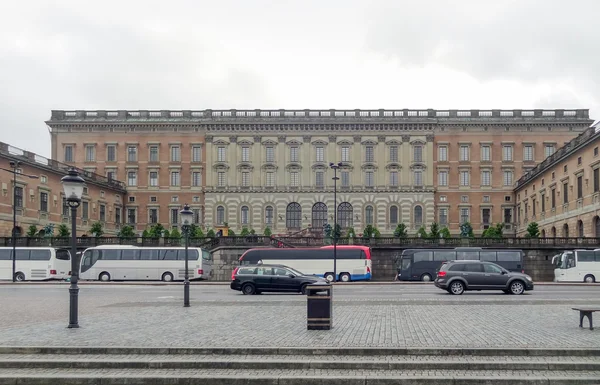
[(257, 139), (357, 138), (306, 138), (381, 138), (429, 138), (233, 139), (281, 139), (406, 138), (332, 139), (209, 138)]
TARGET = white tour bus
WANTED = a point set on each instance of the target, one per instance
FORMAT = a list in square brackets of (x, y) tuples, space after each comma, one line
[(35, 263), (577, 266), (132, 263)]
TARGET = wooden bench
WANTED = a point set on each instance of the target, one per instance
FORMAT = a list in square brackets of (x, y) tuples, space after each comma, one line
[(585, 313)]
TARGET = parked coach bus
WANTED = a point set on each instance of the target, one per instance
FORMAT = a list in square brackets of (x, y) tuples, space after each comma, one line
[(35, 263), (577, 266), (132, 263), (422, 264), (353, 263)]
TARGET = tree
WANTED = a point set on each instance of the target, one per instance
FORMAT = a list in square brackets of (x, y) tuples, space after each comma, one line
[(371, 232), (126, 232), (533, 230), (253, 232), (210, 233), (245, 232), (445, 233), (493, 231), (422, 233), (175, 234), (267, 232), (145, 234), (63, 230), (434, 231), (166, 233), (156, 231), (33, 231), (230, 233), (97, 229), (198, 233), (466, 230), (400, 231), (351, 233)]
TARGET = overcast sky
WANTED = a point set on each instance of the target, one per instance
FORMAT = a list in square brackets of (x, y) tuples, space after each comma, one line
[(345, 54)]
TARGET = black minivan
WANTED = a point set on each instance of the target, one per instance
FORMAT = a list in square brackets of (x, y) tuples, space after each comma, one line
[(256, 279)]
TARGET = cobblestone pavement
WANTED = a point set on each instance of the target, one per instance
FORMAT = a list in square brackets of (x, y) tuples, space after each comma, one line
[(151, 316)]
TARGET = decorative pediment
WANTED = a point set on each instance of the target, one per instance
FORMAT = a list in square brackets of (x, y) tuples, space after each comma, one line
[(417, 141), (319, 142), (369, 142), (319, 166), (269, 142), (345, 142), (418, 166), (293, 142), (220, 166), (293, 166), (269, 167), (220, 142), (245, 142), (393, 166), (393, 142), (245, 166), (347, 166), (369, 166)]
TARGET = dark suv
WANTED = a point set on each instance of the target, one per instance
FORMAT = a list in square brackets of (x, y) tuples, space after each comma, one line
[(458, 276), (255, 279)]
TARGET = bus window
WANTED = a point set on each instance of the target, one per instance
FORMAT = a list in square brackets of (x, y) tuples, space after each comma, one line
[(170, 255), (467, 255), (149, 254), (5, 255), (192, 255), (207, 256), (596, 255), (509, 256), (130, 255), (444, 255), (110, 255), (22, 255), (63, 255), (39, 255), (487, 256), (570, 261), (585, 256), (423, 256)]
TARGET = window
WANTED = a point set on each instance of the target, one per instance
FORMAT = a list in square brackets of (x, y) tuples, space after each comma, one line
[(418, 178), (486, 178), (245, 179), (153, 154), (507, 198), (486, 199), (244, 215), (580, 187), (443, 198), (565, 168), (269, 215), (293, 216), (90, 153), (485, 216), (579, 161), (595, 151), (533, 206), (153, 215), (464, 199), (393, 153), (443, 154), (345, 178), (43, 179), (345, 211), (319, 215), (85, 210), (369, 215), (132, 178), (393, 178), (418, 153), (44, 202), (197, 216), (196, 154), (69, 153), (507, 215), (320, 154), (596, 179), (345, 154), (369, 178), (175, 154), (508, 178), (294, 178), (175, 178), (464, 153), (111, 153), (443, 178), (245, 154), (102, 213), (221, 155), (464, 215), (174, 216), (220, 215), (65, 206), (528, 153), (394, 214), (294, 157), (418, 215), (553, 198), (153, 178), (270, 154), (507, 153), (369, 154), (464, 178), (131, 153), (221, 179), (443, 216), (118, 215), (270, 179), (543, 202), (566, 192), (486, 153), (319, 179), (196, 179), (548, 150)]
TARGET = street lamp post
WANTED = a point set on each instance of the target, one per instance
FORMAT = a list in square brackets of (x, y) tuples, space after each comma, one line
[(187, 216), (14, 166), (335, 167), (73, 186)]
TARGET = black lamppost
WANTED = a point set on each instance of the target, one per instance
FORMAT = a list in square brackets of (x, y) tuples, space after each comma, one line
[(73, 186), (14, 166), (335, 167), (187, 216)]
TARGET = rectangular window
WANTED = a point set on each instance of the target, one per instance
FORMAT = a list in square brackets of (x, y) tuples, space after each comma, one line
[(507, 153), (443, 153), (197, 216), (345, 178), (465, 178), (270, 179), (319, 179), (345, 154), (102, 213), (221, 155), (153, 216), (464, 215), (507, 215), (196, 154), (175, 178), (65, 206), (118, 215), (69, 153), (553, 198), (394, 154), (596, 179), (548, 150), (270, 154), (508, 178), (369, 178), (566, 192), (543, 202), (294, 157), (132, 178), (175, 154), (245, 154), (85, 210), (443, 216), (174, 216), (486, 153), (320, 154), (44, 202), (131, 153), (90, 153), (528, 153), (486, 178), (580, 187), (153, 154), (486, 199), (418, 178), (245, 179), (418, 153), (111, 153), (533, 206), (196, 179), (221, 179), (443, 178), (485, 216), (294, 178), (464, 153), (153, 178), (393, 178), (131, 216), (369, 154)]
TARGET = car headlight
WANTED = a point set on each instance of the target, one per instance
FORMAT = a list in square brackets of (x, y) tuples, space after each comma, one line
[(528, 278)]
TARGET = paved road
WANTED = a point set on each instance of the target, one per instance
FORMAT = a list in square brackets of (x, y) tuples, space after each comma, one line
[(364, 315)]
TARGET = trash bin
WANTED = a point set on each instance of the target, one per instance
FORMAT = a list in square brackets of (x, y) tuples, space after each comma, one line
[(319, 307)]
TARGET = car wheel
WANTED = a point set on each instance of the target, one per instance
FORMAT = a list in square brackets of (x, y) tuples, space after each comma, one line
[(104, 277), (517, 287), (167, 277), (19, 277), (426, 278), (345, 277), (329, 277), (589, 279), (457, 288), (248, 289), (303, 289)]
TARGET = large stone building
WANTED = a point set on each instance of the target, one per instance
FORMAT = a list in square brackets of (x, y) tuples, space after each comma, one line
[(562, 194), (40, 201)]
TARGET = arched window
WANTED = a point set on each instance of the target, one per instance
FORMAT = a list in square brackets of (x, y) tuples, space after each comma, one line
[(293, 216), (220, 215), (565, 233), (543, 233), (394, 215), (369, 215), (418, 216), (319, 215), (553, 232), (269, 213), (344, 216), (580, 229), (597, 226), (244, 215)]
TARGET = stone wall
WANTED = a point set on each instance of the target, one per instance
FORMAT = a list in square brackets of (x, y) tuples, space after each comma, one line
[(225, 259)]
